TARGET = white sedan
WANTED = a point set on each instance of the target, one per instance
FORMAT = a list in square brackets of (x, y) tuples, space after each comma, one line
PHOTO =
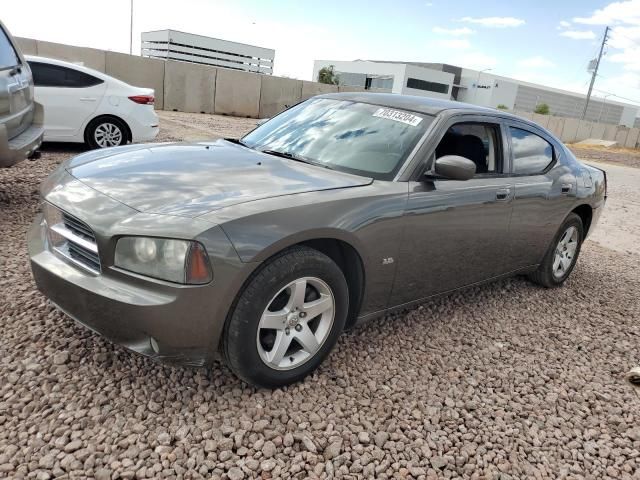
[(87, 106)]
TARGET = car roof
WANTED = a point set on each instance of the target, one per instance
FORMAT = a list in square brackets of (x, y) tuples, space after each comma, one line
[(427, 105)]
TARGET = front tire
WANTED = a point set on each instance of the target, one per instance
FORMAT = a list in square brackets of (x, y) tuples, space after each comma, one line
[(287, 319), (106, 132), (562, 255)]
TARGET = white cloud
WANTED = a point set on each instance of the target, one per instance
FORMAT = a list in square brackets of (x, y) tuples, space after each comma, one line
[(496, 22), (536, 62), (455, 43), (564, 24), (616, 12), (456, 32), (579, 34)]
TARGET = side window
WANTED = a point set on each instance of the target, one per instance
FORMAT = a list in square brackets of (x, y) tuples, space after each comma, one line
[(479, 142), (46, 75), (8, 56), (532, 154)]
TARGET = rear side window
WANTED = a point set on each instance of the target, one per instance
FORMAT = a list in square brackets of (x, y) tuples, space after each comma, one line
[(532, 154), (45, 75), (8, 56)]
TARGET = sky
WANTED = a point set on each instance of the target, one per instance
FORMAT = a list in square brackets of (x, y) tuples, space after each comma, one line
[(546, 42)]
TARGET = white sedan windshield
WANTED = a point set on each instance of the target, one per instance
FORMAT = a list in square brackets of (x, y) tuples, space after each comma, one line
[(354, 137)]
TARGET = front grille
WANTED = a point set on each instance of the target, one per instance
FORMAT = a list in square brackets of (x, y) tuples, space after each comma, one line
[(77, 227), (73, 239)]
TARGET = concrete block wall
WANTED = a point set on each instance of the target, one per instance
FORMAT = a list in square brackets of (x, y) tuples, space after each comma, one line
[(584, 131), (570, 130), (310, 89), (28, 46), (632, 138), (278, 94), (138, 71), (189, 87), (237, 93), (89, 57)]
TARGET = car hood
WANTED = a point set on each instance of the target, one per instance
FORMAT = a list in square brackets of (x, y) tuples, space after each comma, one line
[(191, 179)]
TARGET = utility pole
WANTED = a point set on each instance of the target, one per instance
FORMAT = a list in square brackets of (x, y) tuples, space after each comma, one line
[(131, 31), (595, 71)]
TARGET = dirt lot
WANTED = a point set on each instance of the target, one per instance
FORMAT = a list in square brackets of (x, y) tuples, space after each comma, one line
[(503, 381)]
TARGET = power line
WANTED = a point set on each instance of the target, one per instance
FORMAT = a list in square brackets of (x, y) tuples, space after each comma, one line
[(618, 96)]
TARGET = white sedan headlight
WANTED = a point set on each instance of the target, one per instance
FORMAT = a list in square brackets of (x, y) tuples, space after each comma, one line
[(179, 261)]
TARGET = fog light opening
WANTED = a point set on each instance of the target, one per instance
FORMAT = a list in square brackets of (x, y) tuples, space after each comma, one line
[(154, 345)]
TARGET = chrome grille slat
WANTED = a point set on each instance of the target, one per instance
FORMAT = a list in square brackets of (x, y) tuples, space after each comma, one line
[(76, 242), (78, 227)]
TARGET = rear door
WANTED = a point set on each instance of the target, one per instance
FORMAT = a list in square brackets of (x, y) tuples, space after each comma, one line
[(545, 190), (16, 92), (69, 98)]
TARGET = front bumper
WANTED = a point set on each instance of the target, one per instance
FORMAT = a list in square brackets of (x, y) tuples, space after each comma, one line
[(173, 323)]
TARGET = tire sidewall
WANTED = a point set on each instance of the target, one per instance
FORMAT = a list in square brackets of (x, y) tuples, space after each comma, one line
[(240, 347), (91, 130), (571, 220)]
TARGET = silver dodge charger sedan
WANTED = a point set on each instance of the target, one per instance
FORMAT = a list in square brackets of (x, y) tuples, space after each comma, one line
[(262, 250)]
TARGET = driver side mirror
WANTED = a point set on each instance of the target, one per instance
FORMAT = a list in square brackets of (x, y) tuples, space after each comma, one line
[(454, 167)]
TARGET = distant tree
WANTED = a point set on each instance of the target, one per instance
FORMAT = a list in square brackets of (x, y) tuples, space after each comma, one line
[(327, 75), (542, 109), (502, 106)]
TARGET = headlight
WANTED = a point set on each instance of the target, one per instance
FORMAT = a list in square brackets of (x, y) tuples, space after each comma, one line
[(179, 261)]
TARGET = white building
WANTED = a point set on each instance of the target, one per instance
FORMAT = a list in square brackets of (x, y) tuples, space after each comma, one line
[(472, 86), (188, 47)]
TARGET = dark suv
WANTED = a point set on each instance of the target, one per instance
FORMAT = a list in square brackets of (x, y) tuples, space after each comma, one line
[(21, 118)]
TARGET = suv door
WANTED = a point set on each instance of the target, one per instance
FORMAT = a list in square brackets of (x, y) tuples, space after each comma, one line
[(456, 232), (544, 191), (17, 108), (69, 97)]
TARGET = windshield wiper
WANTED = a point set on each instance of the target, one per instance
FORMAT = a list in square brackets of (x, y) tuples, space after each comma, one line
[(237, 141), (289, 155)]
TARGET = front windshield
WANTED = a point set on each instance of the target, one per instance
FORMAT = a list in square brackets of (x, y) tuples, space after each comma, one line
[(354, 137)]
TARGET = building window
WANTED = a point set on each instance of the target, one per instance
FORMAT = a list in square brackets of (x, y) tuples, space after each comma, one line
[(428, 86)]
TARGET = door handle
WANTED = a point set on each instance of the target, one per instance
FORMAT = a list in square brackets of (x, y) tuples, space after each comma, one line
[(88, 99), (566, 188), (502, 194)]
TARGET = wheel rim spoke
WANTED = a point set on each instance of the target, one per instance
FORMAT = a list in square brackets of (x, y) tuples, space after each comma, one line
[(274, 320), (308, 340), (280, 347), (298, 290), (317, 307)]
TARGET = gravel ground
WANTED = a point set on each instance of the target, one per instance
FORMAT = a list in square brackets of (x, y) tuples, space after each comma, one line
[(503, 381), (618, 156)]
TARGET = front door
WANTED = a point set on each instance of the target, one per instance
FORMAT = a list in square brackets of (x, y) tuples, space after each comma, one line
[(456, 232)]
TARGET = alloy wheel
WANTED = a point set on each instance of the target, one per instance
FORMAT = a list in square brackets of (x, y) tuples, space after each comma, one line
[(565, 252), (296, 323), (107, 135)]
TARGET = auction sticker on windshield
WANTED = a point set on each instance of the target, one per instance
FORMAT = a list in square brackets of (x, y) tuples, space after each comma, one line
[(398, 116)]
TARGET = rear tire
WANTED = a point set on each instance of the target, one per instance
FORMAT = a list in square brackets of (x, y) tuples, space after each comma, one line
[(287, 319), (561, 258), (105, 132)]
